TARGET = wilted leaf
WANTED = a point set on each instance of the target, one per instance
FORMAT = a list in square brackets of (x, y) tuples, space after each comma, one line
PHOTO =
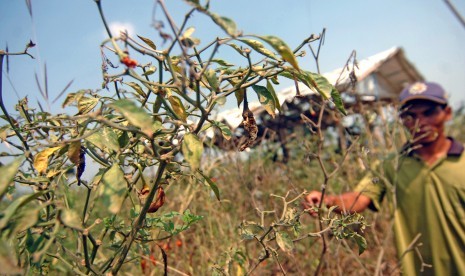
[(86, 104), (73, 97), (137, 88), (41, 159), (284, 241), (71, 219), (186, 38), (178, 107), (74, 151), (135, 115), (281, 47), (148, 42), (114, 189), (259, 47), (192, 149), (7, 173), (266, 99)]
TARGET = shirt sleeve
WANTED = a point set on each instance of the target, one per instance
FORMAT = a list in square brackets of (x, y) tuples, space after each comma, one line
[(372, 187)]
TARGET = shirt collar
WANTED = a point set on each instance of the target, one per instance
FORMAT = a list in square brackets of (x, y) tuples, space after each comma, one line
[(456, 148)]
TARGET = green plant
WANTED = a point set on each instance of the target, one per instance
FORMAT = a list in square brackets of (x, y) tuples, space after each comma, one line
[(142, 141)]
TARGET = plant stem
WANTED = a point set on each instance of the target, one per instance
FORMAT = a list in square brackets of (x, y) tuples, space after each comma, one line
[(138, 224), (5, 112)]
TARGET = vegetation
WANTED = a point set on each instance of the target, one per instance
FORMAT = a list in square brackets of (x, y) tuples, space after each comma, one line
[(132, 184)]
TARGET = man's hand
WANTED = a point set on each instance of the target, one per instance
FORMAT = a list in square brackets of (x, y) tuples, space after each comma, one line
[(312, 202)]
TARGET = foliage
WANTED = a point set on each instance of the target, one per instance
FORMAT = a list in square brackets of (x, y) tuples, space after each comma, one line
[(158, 124)]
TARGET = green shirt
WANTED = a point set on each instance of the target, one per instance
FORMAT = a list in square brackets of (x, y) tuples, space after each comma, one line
[(430, 201)]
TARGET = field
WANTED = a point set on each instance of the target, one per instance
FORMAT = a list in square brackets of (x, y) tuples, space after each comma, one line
[(252, 188)]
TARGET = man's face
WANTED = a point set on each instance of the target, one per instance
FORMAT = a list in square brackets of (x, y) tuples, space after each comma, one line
[(425, 120)]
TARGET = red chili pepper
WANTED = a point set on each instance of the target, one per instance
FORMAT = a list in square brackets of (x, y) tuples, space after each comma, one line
[(131, 63)]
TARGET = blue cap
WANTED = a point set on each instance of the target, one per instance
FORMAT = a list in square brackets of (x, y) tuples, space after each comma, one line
[(429, 91)]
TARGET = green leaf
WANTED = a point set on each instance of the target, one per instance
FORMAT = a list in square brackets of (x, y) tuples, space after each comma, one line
[(284, 241), (86, 104), (250, 229), (313, 81), (23, 220), (105, 139), (41, 159), (178, 107), (7, 173), (123, 139), (281, 47), (148, 42), (237, 48), (71, 219), (259, 47), (322, 85), (239, 96), (222, 62), (266, 99), (228, 25), (210, 75), (150, 71), (361, 242), (113, 189), (15, 205), (225, 130), (270, 88), (189, 218), (337, 100), (135, 115), (137, 88), (192, 149), (212, 185)]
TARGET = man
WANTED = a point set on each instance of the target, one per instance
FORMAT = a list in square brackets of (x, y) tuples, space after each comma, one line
[(427, 187)]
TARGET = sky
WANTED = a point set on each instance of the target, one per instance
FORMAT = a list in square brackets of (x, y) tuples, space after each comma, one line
[(68, 35)]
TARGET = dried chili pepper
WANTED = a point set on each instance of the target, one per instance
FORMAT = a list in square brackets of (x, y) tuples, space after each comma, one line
[(159, 201), (81, 165)]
